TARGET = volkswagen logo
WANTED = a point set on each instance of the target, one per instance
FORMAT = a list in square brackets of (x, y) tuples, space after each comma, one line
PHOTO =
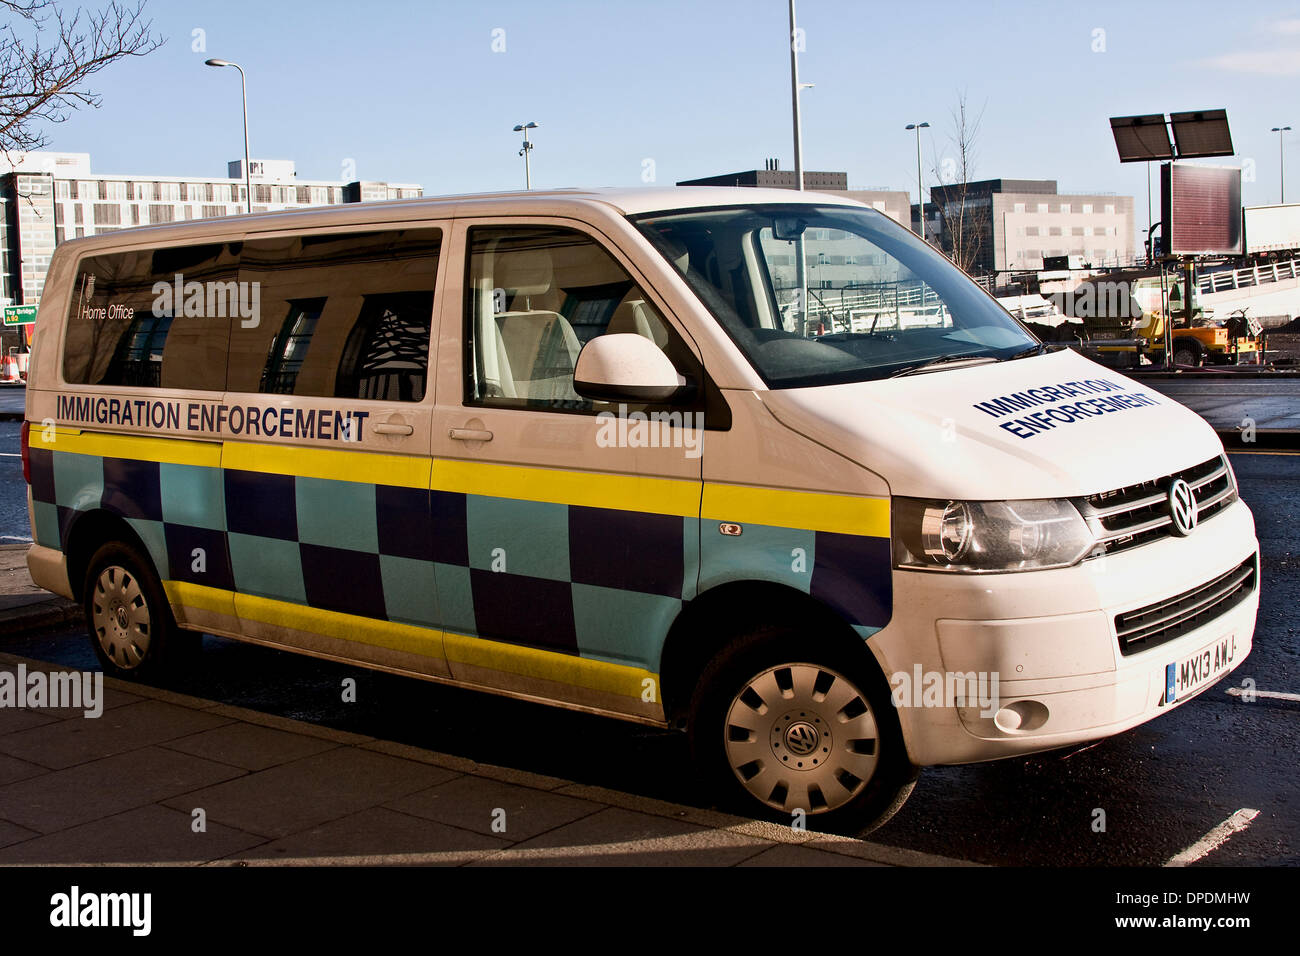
[(801, 738), (1182, 507)]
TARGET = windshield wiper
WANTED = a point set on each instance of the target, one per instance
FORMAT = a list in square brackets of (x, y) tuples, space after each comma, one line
[(942, 360), (1038, 349)]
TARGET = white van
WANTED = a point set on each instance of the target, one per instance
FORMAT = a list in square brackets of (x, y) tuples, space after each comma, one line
[(616, 451)]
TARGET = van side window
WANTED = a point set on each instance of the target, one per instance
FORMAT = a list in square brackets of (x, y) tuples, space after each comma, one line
[(341, 315), (153, 318), (534, 297)]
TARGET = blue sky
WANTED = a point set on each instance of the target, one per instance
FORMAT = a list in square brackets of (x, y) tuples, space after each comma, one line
[(413, 92)]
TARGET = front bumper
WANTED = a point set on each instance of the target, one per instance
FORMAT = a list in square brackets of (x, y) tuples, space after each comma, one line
[(1050, 639)]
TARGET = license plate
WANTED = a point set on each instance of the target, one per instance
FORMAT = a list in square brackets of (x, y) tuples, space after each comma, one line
[(1190, 674)]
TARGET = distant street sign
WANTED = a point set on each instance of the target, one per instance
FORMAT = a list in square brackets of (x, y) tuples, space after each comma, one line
[(19, 315)]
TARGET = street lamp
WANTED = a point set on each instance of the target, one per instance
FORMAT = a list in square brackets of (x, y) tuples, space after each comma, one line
[(527, 148), (920, 194), (243, 89), (1281, 155)]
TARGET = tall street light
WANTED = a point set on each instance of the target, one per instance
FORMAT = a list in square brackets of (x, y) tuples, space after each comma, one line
[(920, 194), (525, 150), (243, 89), (1281, 155), (801, 265)]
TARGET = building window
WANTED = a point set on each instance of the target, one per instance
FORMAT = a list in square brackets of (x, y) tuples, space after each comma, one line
[(1066, 208), (1019, 207), (108, 214), (1087, 209), (1110, 209), (289, 348), (1031, 230), (63, 189), (144, 192), (161, 213), (262, 194), (1042, 207)]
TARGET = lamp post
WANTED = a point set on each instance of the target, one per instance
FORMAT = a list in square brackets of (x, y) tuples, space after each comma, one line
[(525, 150), (920, 194), (1281, 155), (243, 90)]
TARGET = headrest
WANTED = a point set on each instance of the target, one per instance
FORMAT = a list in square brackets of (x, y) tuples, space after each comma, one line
[(677, 253), (527, 272)]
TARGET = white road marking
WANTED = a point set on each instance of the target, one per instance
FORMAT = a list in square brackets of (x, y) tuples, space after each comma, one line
[(1271, 694), (11, 454), (1215, 838), (10, 537)]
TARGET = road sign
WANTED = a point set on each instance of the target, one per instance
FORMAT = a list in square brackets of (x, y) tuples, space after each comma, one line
[(19, 315)]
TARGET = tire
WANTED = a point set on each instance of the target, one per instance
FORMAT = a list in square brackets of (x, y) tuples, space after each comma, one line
[(819, 733), (1188, 352), (130, 623)]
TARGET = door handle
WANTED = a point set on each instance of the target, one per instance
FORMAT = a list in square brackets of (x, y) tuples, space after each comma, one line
[(391, 428), (470, 434)]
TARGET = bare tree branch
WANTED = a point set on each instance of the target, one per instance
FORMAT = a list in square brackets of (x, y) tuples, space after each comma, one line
[(963, 217), (47, 57)]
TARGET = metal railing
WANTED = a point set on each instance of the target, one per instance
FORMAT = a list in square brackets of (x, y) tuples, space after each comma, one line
[(1248, 276)]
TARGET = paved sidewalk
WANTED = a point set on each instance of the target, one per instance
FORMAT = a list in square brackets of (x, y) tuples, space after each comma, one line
[(131, 786), (24, 606)]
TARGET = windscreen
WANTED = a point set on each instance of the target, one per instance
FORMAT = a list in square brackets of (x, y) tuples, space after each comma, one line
[(871, 299)]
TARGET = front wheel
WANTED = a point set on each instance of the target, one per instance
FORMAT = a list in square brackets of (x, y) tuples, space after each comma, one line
[(789, 729)]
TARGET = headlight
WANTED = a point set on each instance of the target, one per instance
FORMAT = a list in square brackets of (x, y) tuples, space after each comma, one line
[(988, 536)]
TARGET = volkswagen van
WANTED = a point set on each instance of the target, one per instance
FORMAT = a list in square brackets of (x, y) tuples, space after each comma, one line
[(755, 464)]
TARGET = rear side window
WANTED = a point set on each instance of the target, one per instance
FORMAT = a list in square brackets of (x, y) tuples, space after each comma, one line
[(341, 315), (327, 315), (154, 318)]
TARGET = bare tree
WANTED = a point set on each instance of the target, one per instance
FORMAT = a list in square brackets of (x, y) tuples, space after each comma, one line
[(964, 218), (48, 54)]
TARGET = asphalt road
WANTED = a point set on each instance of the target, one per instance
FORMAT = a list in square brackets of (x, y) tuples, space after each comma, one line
[(1163, 785), (14, 524)]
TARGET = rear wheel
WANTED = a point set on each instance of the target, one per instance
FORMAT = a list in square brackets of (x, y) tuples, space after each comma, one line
[(785, 726), (131, 625), (1188, 352)]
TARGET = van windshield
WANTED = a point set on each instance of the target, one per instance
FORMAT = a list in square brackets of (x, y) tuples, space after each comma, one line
[(872, 300)]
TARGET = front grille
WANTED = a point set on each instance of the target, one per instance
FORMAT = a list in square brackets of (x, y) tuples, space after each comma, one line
[(1138, 514), (1173, 617)]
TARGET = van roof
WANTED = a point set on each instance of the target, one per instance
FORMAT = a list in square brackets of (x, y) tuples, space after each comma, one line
[(538, 202)]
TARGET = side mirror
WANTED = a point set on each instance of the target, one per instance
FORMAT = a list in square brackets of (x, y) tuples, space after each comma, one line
[(626, 367)]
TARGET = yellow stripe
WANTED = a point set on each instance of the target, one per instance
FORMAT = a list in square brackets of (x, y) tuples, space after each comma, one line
[(584, 488), (807, 510), (376, 468), (583, 672), (173, 451), (200, 597), (424, 641)]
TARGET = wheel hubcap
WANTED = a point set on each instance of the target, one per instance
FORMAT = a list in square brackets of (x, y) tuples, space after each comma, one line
[(120, 617), (801, 737)]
